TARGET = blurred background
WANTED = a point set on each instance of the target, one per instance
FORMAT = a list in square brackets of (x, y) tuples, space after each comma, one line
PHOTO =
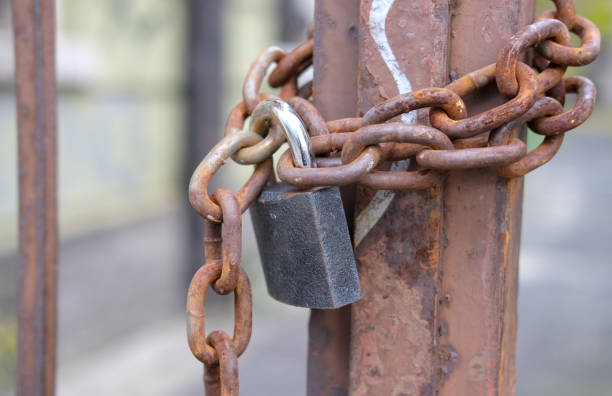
[(130, 74)]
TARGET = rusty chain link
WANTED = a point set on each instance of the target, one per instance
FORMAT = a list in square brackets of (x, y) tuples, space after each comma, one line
[(355, 150)]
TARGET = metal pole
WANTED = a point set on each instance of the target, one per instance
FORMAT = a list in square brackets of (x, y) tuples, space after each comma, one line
[(482, 228), (398, 234), (34, 35), (438, 267), (335, 84)]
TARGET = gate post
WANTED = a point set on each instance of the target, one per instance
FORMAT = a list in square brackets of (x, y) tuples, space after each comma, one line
[(335, 83), (34, 35), (482, 227), (438, 267), (403, 46)]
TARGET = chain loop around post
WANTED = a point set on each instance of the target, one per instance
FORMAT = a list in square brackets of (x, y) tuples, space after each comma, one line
[(585, 103), (590, 38), (529, 36), (543, 153), (393, 133), (468, 158), (444, 98), (492, 118), (358, 150)]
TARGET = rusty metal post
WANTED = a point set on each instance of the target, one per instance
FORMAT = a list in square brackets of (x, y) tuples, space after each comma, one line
[(403, 46), (482, 227), (335, 84), (34, 35), (438, 267)]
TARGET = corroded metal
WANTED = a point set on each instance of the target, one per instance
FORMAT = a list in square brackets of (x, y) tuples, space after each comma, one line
[(335, 83), (221, 379), (563, 55), (482, 219), (454, 264), (231, 241), (341, 175), (256, 75), (491, 118), (394, 326), (290, 64), (198, 194), (585, 103), (35, 83), (196, 300), (543, 153), (446, 99), (480, 157), (531, 35)]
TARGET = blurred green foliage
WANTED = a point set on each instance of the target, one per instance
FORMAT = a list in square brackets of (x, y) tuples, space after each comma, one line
[(598, 11), (8, 353)]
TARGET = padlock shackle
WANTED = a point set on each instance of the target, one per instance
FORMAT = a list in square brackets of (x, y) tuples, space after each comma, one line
[(281, 114)]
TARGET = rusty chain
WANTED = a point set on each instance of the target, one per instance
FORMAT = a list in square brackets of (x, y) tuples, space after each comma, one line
[(352, 150)]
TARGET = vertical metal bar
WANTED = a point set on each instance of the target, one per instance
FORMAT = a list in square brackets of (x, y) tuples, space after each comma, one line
[(204, 100), (394, 327), (482, 223), (335, 84), (34, 35)]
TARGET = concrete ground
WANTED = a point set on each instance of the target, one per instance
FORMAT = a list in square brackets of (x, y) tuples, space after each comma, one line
[(122, 327)]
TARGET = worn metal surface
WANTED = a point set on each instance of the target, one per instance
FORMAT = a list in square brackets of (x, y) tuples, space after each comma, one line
[(305, 247), (34, 35), (230, 241), (335, 82), (394, 326), (196, 301), (226, 382), (198, 194), (481, 233)]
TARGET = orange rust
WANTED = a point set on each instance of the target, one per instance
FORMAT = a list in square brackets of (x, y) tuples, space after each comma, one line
[(529, 36), (481, 195), (560, 54), (256, 74), (232, 241), (289, 64), (491, 118), (196, 301)]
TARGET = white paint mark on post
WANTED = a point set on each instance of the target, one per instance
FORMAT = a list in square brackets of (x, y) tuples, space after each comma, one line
[(371, 214), (377, 24)]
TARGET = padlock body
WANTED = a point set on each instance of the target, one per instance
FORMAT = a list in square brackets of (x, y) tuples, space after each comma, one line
[(305, 246)]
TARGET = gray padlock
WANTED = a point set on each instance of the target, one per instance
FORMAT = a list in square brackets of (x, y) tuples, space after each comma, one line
[(302, 235)]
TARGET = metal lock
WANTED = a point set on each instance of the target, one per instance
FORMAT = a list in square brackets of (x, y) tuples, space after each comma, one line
[(302, 235)]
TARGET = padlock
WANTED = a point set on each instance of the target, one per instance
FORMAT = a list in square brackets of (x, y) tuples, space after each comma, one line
[(302, 235)]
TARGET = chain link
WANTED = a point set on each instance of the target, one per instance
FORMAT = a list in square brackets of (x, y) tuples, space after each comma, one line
[(354, 150)]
